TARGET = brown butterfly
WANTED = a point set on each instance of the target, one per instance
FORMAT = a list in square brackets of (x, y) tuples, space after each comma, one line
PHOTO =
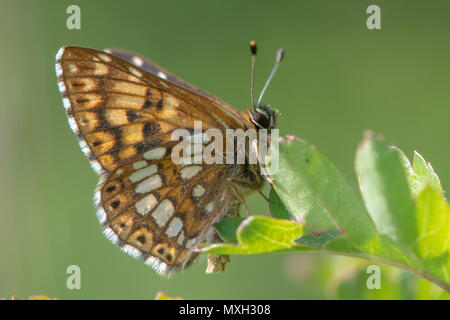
[(123, 109)]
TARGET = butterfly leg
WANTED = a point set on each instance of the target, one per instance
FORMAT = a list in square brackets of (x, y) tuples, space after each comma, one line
[(240, 200), (267, 198), (264, 196)]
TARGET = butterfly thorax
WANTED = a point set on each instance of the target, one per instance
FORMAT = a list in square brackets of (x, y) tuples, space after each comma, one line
[(247, 177)]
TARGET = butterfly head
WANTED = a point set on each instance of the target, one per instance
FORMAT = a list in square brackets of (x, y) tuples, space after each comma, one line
[(264, 117)]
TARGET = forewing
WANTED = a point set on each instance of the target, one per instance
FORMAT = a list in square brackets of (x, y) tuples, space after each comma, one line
[(152, 67), (118, 111)]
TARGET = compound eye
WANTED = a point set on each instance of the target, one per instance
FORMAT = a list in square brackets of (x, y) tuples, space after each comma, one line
[(261, 120)]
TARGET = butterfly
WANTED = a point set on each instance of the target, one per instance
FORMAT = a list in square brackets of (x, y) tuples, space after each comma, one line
[(123, 109)]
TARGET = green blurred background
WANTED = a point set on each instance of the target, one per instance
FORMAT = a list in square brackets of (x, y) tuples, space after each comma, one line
[(337, 80)]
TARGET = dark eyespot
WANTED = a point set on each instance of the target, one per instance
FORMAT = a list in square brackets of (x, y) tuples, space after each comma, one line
[(111, 188), (141, 239), (261, 120), (115, 204)]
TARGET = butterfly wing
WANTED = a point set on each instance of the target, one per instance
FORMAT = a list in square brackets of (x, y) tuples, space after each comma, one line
[(117, 107), (158, 211), (123, 117), (153, 68)]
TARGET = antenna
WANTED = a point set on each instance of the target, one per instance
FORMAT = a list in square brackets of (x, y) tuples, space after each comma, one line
[(252, 83), (279, 57)]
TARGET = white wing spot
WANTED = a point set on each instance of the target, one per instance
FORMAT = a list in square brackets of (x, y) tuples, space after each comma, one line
[(100, 69), (163, 212), (146, 204), (162, 75), (135, 72), (209, 207), (137, 61), (104, 57), (155, 154), (174, 227), (190, 243), (72, 68), (149, 184), (143, 173), (198, 191), (190, 171), (181, 238), (223, 196), (139, 164)]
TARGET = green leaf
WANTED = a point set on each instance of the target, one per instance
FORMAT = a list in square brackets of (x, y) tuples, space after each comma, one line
[(432, 244), (425, 174), (317, 241), (340, 244), (426, 290), (227, 229), (258, 234), (408, 169), (405, 220), (419, 174), (277, 208), (386, 192), (315, 192)]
